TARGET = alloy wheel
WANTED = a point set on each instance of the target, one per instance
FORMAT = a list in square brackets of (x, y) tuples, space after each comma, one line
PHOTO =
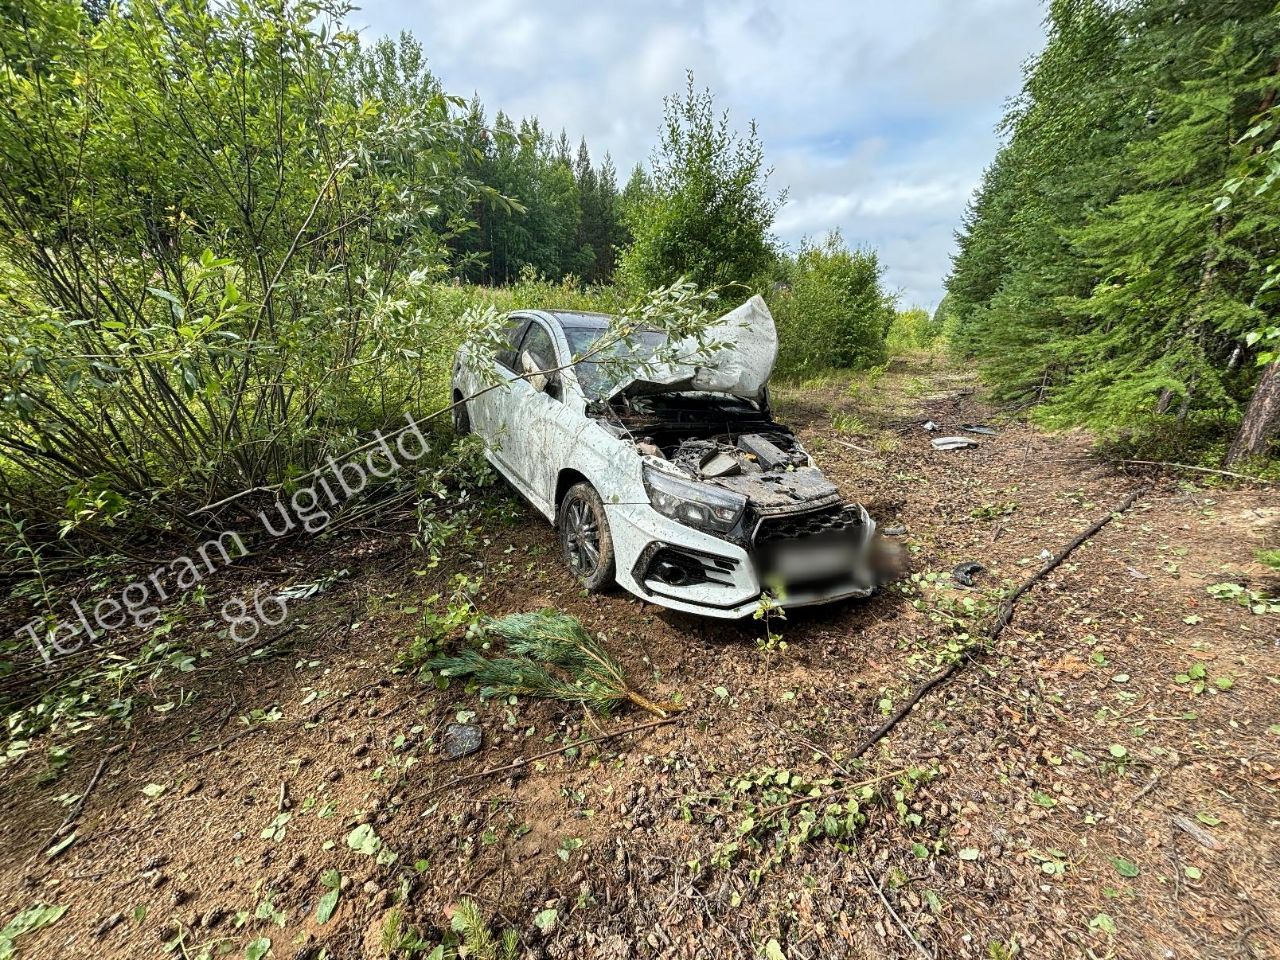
[(582, 537)]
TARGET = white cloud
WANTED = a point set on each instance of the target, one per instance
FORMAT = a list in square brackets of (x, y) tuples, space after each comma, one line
[(878, 117)]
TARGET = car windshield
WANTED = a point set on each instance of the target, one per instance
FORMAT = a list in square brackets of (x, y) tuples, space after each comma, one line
[(612, 364)]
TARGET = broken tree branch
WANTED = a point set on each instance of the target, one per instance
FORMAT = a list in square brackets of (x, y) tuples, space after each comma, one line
[(1003, 618), (894, 913), (852, 446)]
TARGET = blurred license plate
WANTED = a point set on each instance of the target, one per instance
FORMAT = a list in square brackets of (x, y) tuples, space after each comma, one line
[(809, 560)]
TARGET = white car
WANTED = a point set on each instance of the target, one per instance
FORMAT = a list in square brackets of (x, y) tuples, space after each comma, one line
[(671, 479)]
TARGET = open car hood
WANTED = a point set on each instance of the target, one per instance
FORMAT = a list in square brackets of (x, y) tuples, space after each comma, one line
[(747, 350)]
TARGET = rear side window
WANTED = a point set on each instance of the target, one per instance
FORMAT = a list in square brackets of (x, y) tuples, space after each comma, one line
[(508, 354), (538, 344)]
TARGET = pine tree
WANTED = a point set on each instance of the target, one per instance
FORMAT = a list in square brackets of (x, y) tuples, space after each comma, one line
[(1095, 268), (708, 214)]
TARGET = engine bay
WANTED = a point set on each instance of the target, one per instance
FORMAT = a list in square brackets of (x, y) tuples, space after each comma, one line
[(726, 441)]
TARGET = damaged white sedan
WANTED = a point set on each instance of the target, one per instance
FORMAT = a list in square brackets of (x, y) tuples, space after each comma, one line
[(672, 479)]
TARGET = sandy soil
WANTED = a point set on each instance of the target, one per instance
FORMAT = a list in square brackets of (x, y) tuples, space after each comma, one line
[(1105, 783)]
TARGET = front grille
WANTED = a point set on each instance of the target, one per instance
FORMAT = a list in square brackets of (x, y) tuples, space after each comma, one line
[(838, 520)]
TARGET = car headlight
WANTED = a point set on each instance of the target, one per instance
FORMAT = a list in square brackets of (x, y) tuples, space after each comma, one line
[(694, 504)]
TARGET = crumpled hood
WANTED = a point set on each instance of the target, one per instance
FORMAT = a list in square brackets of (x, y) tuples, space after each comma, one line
[(748, 349)]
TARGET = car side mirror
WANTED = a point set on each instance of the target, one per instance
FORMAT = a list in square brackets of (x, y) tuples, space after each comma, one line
[(532, 372)]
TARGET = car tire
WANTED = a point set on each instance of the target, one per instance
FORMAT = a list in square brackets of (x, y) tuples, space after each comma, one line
[(461, 416), (585, 541)]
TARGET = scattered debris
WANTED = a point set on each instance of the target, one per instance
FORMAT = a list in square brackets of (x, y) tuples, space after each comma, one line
[(1136, 573), (930, 426), (964, 573), (897, 530), (526, 761), (1004, 616), (953, 443), (461, 740), (978, 428)]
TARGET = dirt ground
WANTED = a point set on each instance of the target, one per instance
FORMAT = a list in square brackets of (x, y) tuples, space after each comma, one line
[(1105, 783)]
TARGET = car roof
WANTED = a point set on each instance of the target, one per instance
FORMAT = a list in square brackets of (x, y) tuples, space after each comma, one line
[(577, 319), (580, 318)]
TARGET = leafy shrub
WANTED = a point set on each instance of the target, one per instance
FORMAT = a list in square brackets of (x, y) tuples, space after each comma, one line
[(219, 250), (912, 329), (832, 311)]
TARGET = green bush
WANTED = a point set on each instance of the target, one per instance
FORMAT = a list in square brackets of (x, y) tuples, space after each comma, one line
[(831, 311), (912, 329)]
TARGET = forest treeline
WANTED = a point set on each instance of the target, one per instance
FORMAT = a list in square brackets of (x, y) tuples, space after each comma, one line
[(1119, 262), (235, 240)]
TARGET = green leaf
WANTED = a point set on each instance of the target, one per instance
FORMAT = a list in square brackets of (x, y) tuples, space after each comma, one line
[(773, 951), (1207, 818), (1104, 923), (1118, 751), (61, 845), (968, 853), (28, 921), (1192, 873), (546, 921), (154, 790), (258, 949), (1124, 867), (1224, 683), (364, 840), (328, 903)]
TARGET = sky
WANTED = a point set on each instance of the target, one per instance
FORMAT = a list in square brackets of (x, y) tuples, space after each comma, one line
[(877, 117)]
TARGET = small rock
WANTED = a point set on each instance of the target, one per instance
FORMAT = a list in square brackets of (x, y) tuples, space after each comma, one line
[(461, 739)]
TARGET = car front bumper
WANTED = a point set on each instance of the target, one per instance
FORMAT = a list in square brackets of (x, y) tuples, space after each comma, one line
[(686, 569)]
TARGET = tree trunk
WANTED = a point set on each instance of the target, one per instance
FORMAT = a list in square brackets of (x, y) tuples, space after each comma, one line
[(1261, 418)]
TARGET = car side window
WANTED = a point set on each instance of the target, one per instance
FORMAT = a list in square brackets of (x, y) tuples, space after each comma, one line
[(537, 342), (509, 353)]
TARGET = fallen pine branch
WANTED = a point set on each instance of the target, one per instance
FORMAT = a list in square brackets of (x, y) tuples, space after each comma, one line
[(584, 671), (1003, 618)]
